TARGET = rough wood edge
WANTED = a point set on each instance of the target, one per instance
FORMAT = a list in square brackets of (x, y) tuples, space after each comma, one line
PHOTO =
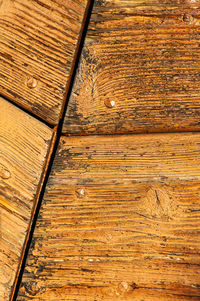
[(37, 197), (76, 58)]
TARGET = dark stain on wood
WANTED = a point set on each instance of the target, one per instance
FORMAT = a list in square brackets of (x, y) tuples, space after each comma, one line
[(142, 56), (24, 145), (39, 40), (132, 235)]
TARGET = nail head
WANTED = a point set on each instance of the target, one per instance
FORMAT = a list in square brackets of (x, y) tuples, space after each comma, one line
[(31, 82), (109, 103)]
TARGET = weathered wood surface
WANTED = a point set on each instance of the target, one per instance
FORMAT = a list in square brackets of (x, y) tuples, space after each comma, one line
[(24, 144), (139, 70), (38, 44), (119, 221)]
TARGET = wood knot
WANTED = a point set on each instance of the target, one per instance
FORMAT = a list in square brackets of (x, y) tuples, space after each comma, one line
[(159, 204)]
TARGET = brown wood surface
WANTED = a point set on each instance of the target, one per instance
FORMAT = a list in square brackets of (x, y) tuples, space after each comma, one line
[(119, 221), (38, 44), (24, 144), (139, 70)]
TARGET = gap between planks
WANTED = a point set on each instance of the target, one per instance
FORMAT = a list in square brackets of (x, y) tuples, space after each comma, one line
[(52, 151)]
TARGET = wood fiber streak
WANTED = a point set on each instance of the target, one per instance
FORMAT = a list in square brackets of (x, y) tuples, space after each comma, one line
[(143, 57), (119, 221), (38, 43), (24, 143)]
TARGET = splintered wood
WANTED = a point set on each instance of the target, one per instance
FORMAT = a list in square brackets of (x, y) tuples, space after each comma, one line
[(139, 70), (39, 41), (24, 144), (119, 221)]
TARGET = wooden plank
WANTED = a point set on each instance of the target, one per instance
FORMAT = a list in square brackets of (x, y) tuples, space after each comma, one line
[(38, 45), (139, 69), (24, 144), (119, 221)]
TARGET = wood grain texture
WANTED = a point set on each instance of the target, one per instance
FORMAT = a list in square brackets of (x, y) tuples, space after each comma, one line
[(38, 44), (24, 144), (139, 70), (119, 221)]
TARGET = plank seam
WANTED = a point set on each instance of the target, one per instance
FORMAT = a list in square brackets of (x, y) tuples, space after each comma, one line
[(22, 108), (33, 214), (52, 151)]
